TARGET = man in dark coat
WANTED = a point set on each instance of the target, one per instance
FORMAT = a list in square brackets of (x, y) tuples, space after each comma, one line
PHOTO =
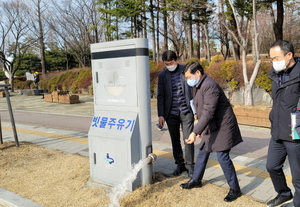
[(173, 106), (285, 77), (217, 128)]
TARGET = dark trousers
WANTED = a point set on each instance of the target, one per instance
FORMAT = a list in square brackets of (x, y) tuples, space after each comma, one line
[(187, 123), (226, 165), (277, 153)]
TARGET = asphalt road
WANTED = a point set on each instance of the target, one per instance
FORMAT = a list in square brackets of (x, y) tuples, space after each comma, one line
[(76, 123)]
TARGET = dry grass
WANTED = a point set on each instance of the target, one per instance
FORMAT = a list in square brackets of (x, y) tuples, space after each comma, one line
[(53, 179)]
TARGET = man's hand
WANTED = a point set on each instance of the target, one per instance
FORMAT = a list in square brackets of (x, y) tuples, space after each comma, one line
[(191, 139), (161, 121)]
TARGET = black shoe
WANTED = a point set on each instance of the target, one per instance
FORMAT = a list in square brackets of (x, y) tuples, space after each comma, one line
[(279, 200), (180, 169), (191, 184), (232, 195)]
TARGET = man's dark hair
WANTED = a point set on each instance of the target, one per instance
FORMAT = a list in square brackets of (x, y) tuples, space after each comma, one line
[(193, 66), (169, 55), (284, 45)]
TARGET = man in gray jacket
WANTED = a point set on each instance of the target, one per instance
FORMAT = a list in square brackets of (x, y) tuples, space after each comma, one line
[(217, 128)]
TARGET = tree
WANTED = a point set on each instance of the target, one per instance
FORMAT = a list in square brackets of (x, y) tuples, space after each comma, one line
[(205, 14), (73, 23), (110, 24), (14, 40), (242, 40), (38, 27), (58, 59), (223, 35), (277, 19), (165, 23), (124, 12), (30, 62), (152, 29)]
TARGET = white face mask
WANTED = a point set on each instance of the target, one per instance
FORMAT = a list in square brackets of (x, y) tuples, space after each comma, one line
[(171, 67), (279, 65)]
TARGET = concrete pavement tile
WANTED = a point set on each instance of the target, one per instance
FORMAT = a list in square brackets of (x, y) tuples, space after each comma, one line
[(160, 146), (255, 185), (211, 172), (76, 148), (11, 199), (61, 145), (261, 166), (262, 196), (42, 142), (220, 183), (77, 134), (239, 158), (291, 187), (287, 171), (165, 163), (215, 175)]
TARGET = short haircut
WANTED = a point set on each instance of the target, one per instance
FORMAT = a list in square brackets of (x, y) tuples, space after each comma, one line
[(169, 55), (193, 66), (284, 45)]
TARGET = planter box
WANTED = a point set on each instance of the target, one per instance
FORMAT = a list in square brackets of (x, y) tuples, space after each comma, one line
[(48, 97), (2, 94), (70, 99), (61, 97), (54, 99), (253, 116)]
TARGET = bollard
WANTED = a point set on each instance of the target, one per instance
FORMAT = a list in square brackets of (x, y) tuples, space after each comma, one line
[(10, 113)]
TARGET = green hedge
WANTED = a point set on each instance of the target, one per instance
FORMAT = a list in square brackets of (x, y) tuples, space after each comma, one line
[(72, 81), (262, 80)]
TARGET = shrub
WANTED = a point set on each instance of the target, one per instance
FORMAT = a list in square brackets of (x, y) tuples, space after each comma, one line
[(43, 83), (28, 84), (263, 80), (91, 90), (192, 59), (215, 59), (70, 78), (74, 87), (214, 72), (86, 81), (154, 70), (233, 84), (19, 84), (153, 66), (228, 71), (204, 63), (52, 84), (79, 77)]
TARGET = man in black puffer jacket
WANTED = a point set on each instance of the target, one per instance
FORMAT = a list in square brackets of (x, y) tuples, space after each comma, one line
[(285, 77)]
